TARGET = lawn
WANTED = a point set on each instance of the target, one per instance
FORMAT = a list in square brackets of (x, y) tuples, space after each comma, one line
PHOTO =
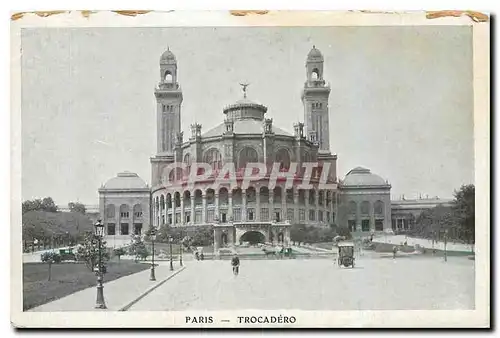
[(67, 278)]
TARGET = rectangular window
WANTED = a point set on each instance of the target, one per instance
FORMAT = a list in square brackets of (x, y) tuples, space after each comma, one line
[(250, 214), (210, 215), (138, 214), (405, 224), (170, 219), (320, 216), (379, 225), (302, 215), (311, 215), (290, 215), (264, 214), (163, 219), (328, 216), (393, 223), (111, 229), (237, 214), (277, 215), (124, 228), (352, 225), (197, 216), (400, 223), (137, 228), (177, 217), (187, 217), (365, 225), (124, 214)]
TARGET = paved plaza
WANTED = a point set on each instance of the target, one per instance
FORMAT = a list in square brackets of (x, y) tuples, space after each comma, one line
[(319, 284)]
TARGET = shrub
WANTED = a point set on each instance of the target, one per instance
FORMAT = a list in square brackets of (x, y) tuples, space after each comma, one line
[(51, 257)]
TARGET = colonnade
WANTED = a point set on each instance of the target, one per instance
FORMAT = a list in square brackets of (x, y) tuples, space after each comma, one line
[(253, 204)]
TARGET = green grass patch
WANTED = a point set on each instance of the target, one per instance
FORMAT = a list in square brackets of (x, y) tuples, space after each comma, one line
[(67, 278)]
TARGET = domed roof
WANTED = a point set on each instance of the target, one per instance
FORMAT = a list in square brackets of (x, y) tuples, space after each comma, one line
[(314, 55), (168, 57), (360, 176), (126, 180)]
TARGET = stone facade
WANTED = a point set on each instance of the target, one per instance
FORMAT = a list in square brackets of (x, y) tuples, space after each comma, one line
[(124, 205), (365, 201)]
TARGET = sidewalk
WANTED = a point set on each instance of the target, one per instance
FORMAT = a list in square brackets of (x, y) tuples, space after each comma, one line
[(118, 294), (427, 243)]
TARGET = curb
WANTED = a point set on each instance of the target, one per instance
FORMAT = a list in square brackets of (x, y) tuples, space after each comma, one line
[(148, 291)]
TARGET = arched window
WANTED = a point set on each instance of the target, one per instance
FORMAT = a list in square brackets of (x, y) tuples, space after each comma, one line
[(162, 202), (365, 207), (352, 208), (110, 211), (378, 207), (137, 211), (198, 200), (264, 195), (187, 199), (283, 158), (247, 155), (124, 211), (315, 74), (251, 195), (277, 194), (210, 196), (168, 77), (177, 199), (312, 197), (214, 158), (169, 201), (321, 197), (237, 199), (223, 196)]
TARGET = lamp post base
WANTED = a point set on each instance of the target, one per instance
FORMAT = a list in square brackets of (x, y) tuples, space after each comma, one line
[(171, 266), (152, 276), (100, 304)]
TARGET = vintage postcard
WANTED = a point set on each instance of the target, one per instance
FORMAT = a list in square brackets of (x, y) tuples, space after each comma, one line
[(245, 169)]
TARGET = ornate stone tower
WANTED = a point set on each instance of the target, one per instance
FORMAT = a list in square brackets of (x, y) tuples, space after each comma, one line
[(169, 99), (315, 99)]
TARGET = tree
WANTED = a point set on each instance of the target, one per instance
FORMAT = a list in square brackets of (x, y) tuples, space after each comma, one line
[(45, 204), (465, 210), (50, 257), (49, 205), (298, 233), (119, 252), (138, 248), (88, 251), (77, 207), (344, 231)]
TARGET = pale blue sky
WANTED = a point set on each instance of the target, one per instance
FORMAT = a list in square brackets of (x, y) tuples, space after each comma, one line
[(401, 101)]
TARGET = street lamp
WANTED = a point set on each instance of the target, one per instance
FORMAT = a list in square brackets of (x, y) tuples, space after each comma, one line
[(171, 262), (152, 234), (180, 251), (99, 232), (445, 241)]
